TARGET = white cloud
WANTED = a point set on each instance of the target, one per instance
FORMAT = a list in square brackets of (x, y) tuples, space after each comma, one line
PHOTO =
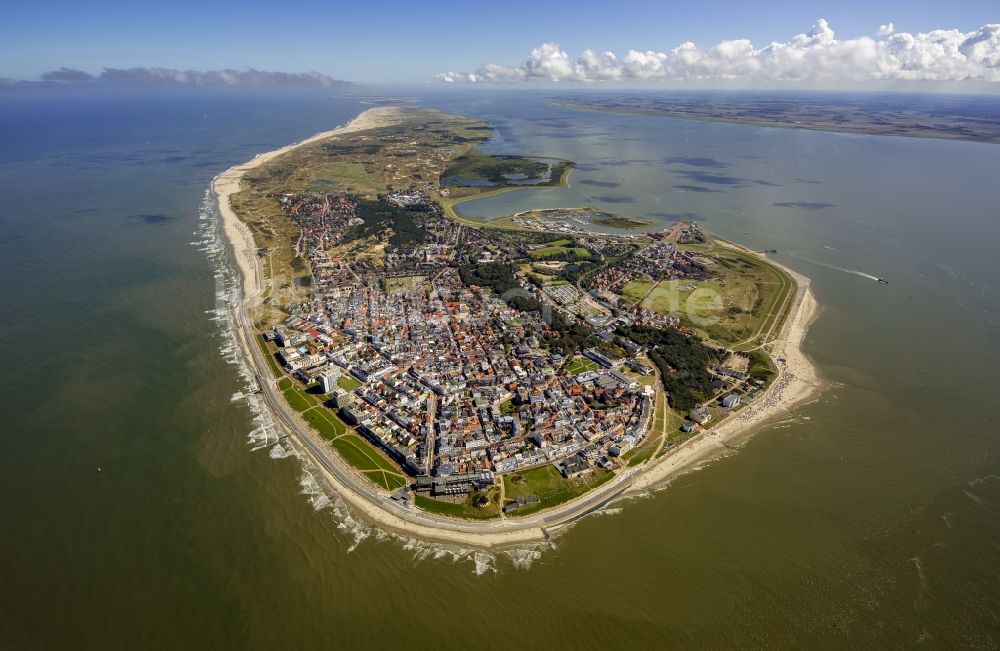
[(817, 55)]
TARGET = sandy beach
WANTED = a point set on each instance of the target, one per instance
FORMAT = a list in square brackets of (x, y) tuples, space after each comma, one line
[(796, 381), (372, 506), (228, 183)]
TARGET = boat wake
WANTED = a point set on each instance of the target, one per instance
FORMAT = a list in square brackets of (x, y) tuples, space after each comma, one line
[(846, 270), (266, 435)]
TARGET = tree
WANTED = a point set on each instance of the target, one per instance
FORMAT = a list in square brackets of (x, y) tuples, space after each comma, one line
[(683, 362)]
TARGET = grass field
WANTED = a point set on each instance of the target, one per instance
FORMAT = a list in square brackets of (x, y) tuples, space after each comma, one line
[(644, 380), (665, 420), (676, 438), (581, 365), (666, 424), (463, 510), (325, 422), (347, 383), (297, 399), (641, 454), (386, 480), (361, 455), (539, 274), (353, 449), (736, 307), (550, 486), (560, 247), (269, 355), (376, 468)]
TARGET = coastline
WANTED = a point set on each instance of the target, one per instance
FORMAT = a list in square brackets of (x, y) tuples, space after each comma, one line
[(383, 513), (228, 183), (797, 380)]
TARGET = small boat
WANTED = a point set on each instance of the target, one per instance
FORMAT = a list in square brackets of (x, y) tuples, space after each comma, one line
[(883, 281)]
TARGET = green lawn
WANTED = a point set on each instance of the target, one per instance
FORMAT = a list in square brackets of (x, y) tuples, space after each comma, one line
[(674, 420), (273, 363), (753, 297), (386, 480), (547, 277), (642, 453), (533, 482), (325, 422), (395, 481), (361, 455), (460, 510), (644, 380), (580, 365), (348, 383), (666, 298), (298, 399), (678, 437), (743, 298), (550, 486), (635, 290), (556, 250)]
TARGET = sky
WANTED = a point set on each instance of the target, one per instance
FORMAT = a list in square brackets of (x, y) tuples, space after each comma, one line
[(382, 41)]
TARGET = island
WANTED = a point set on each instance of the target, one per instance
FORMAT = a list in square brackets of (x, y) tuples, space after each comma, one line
[(915, 116), (489, 382)]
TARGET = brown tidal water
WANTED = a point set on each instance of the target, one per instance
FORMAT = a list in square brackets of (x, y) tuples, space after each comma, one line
[(868, 517)]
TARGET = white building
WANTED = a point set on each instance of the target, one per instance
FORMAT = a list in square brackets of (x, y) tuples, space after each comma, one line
[(328, 382)]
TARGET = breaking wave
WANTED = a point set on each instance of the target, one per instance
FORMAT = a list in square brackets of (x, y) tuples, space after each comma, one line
[(315, 495)]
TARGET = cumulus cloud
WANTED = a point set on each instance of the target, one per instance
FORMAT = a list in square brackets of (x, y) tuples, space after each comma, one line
[(817, 55), (207, 78)]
